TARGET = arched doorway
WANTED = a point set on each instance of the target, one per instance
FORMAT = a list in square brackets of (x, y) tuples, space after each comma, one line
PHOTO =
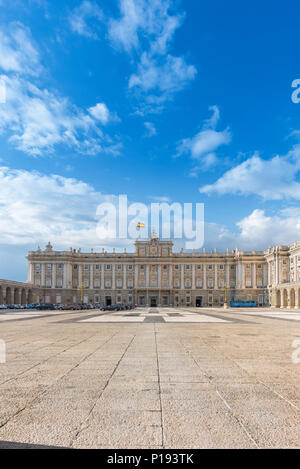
[(23, 297), (29, 297), (284, 298), (292, 298), (16, 296), (278, 299), (8, 296)]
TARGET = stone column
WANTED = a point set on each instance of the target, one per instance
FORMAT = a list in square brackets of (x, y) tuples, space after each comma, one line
[(297, 297), (91, 276), (237, 275), (216, 277), (42, 275), (281, 298), (53, 283), (193, 277), (227, 275), (204, 277), (124, 276), (182, 277), (136, 276), (113, 276), (102, 277), (79, 275), (65, 276), (289, 299)]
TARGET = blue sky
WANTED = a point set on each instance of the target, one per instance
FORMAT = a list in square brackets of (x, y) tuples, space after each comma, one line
[(179, 101)]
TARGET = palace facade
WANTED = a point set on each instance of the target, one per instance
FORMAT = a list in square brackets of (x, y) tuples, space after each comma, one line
[(155, 275)]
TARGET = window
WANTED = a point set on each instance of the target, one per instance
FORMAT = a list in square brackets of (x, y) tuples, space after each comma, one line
[(187, 267), (107, 284), (48, 283), (119, 299), (49, 266), (37, 266), (199, 267), (248, 266), (119, 267), (86, 283), (165, 267), (119, 283), (75, 266), (60, 266), (259, 266), (108, 266), (221, 267), (176, 267), (97, 283), (97, 266), (142, 267), (232, 267), (130, 267), (86, 267), (96, 299), (210, 267)]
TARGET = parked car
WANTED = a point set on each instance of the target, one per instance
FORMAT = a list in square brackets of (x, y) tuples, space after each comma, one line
[(68, 307), (45, 306)]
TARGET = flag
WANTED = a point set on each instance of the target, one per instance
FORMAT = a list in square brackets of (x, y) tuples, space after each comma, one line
[(140, 225)]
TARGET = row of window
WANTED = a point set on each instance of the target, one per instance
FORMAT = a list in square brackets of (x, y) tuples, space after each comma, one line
[(142, 267)]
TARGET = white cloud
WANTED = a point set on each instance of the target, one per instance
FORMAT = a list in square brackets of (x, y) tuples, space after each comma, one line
[(257, 229), (101, 112), (273, 179), (161, 78), (38, 208), (150, 128), (203, 146), (17, 52), (145, 29), (80, 19), (36, 119)]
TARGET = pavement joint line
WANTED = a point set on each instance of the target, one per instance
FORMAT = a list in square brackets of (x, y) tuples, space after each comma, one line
[(159, 388), (82, 428), (44, 361), (232, 413), (29, 404), (257, 380)]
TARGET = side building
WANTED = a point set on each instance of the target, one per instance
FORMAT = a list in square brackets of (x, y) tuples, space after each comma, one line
[(153, 275)]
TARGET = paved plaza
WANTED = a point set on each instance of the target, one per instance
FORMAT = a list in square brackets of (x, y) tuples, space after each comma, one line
[(150, 378)]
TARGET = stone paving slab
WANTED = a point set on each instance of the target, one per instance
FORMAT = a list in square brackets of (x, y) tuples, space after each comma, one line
[(68, 382)]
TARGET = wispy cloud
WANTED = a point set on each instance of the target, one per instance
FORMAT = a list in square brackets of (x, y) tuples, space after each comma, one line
[(81, 17), (145, 31), (35, 118), (150, 129), (204, 145)]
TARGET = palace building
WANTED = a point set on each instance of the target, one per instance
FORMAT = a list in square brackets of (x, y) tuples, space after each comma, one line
[(155, 275)]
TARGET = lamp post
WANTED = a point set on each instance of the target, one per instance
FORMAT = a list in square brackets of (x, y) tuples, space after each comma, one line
[(226, 299), (81, 288)]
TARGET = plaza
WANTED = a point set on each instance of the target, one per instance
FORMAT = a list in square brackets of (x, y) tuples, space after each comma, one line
[(161, 377)]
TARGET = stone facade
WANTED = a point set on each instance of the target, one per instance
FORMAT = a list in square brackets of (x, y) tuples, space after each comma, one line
[(284, 275), (17, 292), (153, 275)]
